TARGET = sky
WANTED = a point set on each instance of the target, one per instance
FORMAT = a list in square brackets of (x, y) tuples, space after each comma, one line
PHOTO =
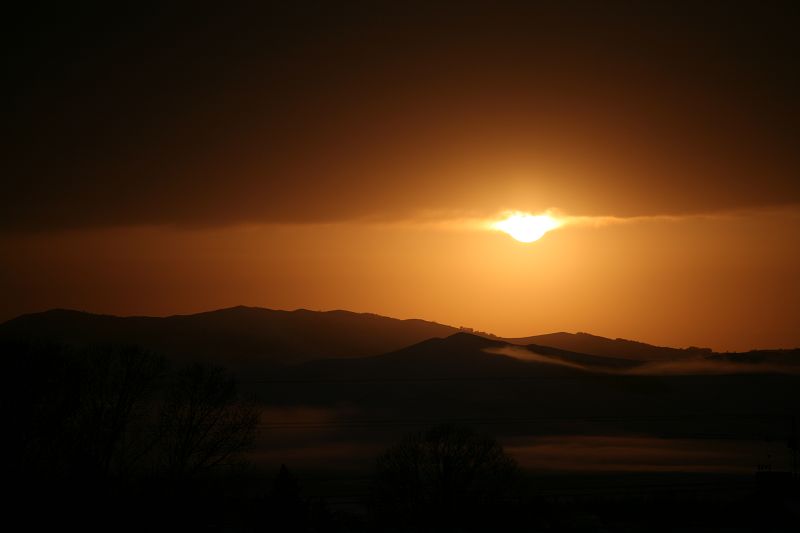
[(322, 156)]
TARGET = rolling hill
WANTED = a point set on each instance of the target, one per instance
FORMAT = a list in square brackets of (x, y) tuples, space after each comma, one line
[(256, 339), (468, 377), (461, 355), (617, 348), (234, 336)]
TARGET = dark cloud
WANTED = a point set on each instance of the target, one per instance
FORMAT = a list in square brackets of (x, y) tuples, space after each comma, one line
[(323, 113)]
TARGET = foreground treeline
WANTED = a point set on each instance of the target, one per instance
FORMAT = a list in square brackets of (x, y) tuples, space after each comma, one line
[(116, 439), (95, 431), (120, 412)]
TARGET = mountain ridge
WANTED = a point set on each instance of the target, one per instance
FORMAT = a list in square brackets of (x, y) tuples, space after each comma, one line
[(245, 335), (603, 346), (241, 335)]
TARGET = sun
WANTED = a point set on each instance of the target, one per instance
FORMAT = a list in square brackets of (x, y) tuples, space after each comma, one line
[(525, 227)]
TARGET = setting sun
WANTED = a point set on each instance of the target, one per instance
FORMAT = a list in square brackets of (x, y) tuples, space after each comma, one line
[(525, 227), (288, 260)]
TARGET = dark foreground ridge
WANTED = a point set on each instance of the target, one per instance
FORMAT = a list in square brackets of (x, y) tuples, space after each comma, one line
[(249, 419)]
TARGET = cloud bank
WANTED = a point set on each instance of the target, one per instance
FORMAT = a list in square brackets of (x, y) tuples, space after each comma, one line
[(690, 366)]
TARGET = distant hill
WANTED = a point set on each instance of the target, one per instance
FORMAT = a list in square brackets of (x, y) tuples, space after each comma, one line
[(379, 368), (239, 336), (615, 348), (474, 378), (588, 361), (254, 339), (464, 355), (340, 380), (459, 355)]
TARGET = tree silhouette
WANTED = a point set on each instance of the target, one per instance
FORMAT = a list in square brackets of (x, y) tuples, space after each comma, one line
[(80, 413), (443, 475), (116, 408), (94, 414), (203, 422)]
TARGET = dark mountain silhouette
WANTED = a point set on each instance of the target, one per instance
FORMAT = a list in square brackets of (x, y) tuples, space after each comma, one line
[(251, 338), (589, 361), (461, 355), (318, 395), (235, 336), (617, 348), (474, 378), (465, 355)]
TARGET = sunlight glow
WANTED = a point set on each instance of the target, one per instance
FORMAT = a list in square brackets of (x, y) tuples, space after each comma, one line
[(525, 227)]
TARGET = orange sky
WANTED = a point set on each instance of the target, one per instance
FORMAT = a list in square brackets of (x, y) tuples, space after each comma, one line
[(285, 157), (728, 282)]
